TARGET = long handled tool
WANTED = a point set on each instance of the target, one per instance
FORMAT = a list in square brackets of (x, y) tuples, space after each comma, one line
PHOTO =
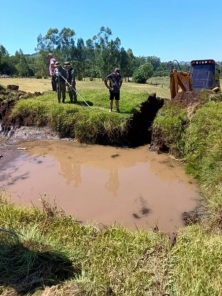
[(73, 89)]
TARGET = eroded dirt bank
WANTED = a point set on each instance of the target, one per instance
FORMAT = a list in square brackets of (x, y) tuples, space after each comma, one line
[(138, 126)]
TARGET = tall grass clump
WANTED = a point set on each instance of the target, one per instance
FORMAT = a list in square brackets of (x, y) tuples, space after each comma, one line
[(99, 126), (196, 261), (168, 128), (203, 150), (203, 138)]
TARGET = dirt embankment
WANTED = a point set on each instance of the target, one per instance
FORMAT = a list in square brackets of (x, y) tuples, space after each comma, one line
[(138, 126), (8, 98)]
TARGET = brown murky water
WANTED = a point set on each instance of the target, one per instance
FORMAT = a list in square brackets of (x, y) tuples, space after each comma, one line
[(132, 187)]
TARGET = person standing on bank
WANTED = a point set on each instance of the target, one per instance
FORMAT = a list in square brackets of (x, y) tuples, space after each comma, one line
[(71, 78), (114, 82), (60, 75), (52, 62)]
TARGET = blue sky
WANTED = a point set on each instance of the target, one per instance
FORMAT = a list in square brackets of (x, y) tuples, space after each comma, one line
[(167, 29)]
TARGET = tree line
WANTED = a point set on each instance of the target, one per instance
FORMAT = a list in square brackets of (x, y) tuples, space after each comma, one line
[(94, 58)]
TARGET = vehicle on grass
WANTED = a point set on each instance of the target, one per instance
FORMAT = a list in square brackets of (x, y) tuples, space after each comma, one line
[(203, 74)]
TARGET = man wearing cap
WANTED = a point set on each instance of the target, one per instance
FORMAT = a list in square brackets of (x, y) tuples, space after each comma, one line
[(114, 82), (52, 62), (60, 74), (71, 78)]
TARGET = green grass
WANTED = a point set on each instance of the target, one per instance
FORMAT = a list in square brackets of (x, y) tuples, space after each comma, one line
[(196, 262), (88, 120), (196, 258), (44, 85), (203, 152), (93, 260), (196, 141), (69, 120), (168, 127), (64, 257)]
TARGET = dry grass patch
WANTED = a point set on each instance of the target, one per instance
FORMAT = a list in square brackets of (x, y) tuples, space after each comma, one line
[(44, 85)]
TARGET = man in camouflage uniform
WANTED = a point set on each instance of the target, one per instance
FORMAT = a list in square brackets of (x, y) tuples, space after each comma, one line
[(71, 78), (61, 77)]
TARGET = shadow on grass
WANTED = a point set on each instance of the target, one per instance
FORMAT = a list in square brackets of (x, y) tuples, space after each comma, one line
[(30, 266), (88, 103)]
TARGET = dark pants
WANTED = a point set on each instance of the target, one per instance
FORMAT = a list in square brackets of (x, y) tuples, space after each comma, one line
[(72, 94), (61, 91), (54, 83)]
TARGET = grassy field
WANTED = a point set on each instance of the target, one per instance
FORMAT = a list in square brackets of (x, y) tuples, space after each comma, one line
[(158, 85), (44, 85)]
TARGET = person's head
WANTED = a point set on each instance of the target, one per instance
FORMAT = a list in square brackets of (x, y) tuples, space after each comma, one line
[(50, 55), (117, 71), (67, 65), (57, 65)]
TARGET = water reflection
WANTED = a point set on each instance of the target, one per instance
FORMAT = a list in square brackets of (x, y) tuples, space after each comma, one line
[(70, 170), (149, 189), (112, 185)]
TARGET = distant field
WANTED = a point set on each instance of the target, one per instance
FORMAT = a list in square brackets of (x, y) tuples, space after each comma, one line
[(159, 85)]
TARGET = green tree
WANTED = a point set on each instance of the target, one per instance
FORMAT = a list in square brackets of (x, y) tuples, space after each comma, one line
[(144, 72), (66, 43), (162, 70), (124, 63), (107, 52), (131, 63), (22, 65), (61, 44), (91, 69), (41, 64), (155, 61), (80, 58), (139, 61), (6, 67), (3, 52)]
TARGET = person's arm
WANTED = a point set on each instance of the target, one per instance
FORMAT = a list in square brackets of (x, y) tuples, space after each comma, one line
[(73, 73), (106, 81), (120, 82)]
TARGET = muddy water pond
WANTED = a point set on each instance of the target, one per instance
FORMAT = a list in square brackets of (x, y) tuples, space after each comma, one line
[(136, 188)]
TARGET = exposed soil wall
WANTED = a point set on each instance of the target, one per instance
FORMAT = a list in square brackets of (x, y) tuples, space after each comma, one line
[(138, 131), (140, 125)]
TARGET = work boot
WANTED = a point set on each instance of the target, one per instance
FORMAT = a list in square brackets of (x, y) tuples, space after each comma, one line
[(118, 111)]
